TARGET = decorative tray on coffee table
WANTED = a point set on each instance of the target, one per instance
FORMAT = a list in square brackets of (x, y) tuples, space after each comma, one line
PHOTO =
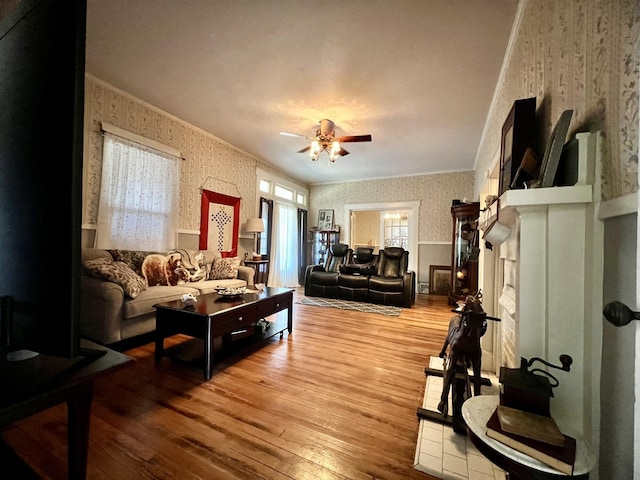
[(231, 292)]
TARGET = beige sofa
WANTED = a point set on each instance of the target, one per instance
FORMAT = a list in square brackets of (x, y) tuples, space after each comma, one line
[(117, 307)]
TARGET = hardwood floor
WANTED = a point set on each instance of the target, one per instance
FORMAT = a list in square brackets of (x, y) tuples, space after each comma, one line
[(336, 399)]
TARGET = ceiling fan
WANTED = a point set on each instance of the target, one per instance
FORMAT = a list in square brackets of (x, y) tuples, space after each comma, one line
[(326, 141)]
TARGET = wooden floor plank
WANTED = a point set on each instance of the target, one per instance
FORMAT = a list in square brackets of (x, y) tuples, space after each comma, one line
[(336, 399)]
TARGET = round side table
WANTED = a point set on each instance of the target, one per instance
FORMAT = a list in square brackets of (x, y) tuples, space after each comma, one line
[(476, 412)]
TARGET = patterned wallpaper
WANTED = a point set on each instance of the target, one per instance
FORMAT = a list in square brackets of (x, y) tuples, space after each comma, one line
[(233, 172), (582, 55), (435, 193)]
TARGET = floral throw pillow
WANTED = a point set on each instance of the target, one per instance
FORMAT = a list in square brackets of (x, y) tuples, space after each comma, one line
[(117, 272), (224, 268)]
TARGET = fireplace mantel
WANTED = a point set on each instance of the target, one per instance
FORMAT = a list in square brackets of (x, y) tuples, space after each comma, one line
[(545, 197), (551, 300)]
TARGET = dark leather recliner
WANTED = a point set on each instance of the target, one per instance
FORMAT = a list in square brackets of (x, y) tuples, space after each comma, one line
[(362, 258), (353, 282), (322, 280), (393, 283)]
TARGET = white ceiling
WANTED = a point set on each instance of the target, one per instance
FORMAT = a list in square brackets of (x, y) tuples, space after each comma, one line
[(418, 75)]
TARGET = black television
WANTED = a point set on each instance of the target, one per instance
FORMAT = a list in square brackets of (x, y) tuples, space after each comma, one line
[(42, 58)]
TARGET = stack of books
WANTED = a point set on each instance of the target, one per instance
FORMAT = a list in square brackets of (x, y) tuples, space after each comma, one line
[(535, 435)]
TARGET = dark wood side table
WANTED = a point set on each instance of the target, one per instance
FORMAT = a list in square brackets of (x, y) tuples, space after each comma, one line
[(262, 270), (33, 385), (476, 412)]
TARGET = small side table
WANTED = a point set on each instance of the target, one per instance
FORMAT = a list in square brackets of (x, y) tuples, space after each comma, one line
[(261, 268), (34, 385), (476, 412)]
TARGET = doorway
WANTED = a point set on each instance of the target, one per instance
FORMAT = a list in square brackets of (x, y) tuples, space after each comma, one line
[(409, 210)]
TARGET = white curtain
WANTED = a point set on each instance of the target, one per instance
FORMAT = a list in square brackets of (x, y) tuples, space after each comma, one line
[(283, 271), (138, 207)]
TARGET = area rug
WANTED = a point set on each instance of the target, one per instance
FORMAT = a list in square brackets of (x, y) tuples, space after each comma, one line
[(349, 305)]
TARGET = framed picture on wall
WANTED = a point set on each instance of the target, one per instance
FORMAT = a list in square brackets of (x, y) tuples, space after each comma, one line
[(439, 279), (325, 220)]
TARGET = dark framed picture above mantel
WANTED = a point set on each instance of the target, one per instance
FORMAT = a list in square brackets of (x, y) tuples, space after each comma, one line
[(518, 134)]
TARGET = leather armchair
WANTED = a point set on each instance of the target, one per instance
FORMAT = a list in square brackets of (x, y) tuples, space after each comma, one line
[(392, 283), (322, 280)]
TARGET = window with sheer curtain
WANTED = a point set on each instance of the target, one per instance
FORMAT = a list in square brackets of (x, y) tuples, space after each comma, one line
[(138, 207), (284, 241), (284, 257)]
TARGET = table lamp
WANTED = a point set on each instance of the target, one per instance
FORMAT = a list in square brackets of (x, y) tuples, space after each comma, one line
[(255, 226)]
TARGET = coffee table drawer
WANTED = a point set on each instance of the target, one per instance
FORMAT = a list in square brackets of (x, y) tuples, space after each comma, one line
[(273, 305), (234, 320)]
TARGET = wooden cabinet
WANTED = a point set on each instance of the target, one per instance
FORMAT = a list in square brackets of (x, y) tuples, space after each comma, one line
[(464, 250), (518, 134), (322, 240)]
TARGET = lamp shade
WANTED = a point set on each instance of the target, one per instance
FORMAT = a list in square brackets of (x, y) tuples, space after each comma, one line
[(254, 225)]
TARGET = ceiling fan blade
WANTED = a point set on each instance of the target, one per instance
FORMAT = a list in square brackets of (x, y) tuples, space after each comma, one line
[(287, 134), (342, 152), (354, 138), (305, 149)]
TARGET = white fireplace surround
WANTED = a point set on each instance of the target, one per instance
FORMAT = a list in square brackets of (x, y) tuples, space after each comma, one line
[(550, 273)]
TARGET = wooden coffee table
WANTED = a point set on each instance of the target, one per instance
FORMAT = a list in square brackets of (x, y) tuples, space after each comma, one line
[(216, 316)]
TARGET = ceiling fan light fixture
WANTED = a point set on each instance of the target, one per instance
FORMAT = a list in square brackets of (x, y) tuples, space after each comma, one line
[(334, 151), (316, 150), (326, 141)]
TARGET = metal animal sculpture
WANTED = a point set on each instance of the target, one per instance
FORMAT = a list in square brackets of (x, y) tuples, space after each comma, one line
[(463, 343)]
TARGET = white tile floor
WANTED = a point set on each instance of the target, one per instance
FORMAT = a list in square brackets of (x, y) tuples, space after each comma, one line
[(442, 452)]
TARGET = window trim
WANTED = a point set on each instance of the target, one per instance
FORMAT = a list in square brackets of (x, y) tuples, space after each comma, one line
[(275, 180), (147, 142)]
